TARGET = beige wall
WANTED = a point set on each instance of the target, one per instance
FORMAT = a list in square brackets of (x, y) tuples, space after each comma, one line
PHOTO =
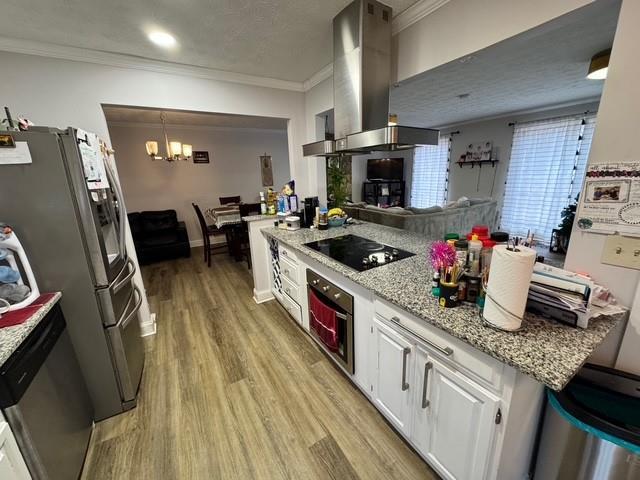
[(234, 168), (461, 27), (464, 181)]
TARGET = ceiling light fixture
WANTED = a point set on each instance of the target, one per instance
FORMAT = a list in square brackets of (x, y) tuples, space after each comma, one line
[(162, 39), (174, 150), (599, 65)]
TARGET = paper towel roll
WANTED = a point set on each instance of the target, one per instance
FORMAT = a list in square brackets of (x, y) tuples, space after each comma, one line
[(508, 286)]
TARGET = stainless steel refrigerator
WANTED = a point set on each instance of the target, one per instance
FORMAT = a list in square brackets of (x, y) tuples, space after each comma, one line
[(74, 236)]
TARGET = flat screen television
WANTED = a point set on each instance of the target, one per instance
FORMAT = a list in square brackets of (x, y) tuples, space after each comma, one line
[(385, 169)]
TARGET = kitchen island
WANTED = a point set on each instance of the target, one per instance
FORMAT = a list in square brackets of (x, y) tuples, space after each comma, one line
[(466, 396)]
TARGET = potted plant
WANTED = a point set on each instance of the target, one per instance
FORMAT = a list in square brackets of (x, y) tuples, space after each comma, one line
[(338, 181), (560, 236)]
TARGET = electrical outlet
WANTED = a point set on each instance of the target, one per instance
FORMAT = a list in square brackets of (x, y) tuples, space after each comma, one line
[(621, 251)]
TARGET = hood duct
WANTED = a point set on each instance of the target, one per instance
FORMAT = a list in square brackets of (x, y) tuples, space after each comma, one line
[(361, 78)]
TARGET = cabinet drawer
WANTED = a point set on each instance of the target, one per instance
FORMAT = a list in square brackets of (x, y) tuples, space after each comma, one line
[(289, 270), (291, 289), (459, 354), (286, 252), (292, 307)]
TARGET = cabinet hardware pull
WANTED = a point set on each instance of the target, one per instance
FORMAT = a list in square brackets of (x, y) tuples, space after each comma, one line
[(445, 350), (405, 354), (498, 417), (427, 367), (286, 271)]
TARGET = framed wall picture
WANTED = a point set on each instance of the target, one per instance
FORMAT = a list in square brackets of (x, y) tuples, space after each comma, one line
[(200, 156), (6, 141), (266, 170)]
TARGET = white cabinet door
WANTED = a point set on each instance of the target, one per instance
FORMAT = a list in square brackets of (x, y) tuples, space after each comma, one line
[(12, 466), (458, 435), (393, 372)]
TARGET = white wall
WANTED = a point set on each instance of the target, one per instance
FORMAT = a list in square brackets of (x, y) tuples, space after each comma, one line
[(461, 27), (60, 93), (463, 181), (615, 139), (234, 168)]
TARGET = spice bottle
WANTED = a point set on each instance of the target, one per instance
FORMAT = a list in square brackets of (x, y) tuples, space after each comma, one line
[(461, 247), (475, 249), (323, 219)]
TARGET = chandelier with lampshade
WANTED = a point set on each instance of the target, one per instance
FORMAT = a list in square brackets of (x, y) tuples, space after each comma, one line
[(174, 150)]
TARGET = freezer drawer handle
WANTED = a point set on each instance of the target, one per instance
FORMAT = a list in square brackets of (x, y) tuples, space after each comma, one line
[(132, 271), (128, 318)]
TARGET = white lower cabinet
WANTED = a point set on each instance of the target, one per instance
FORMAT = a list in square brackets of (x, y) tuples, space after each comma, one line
[(12, 466), (455, 419), (391, 391), (448, 417)]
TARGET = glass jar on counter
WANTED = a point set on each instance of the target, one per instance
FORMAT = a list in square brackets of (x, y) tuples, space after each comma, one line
[(461, 247)]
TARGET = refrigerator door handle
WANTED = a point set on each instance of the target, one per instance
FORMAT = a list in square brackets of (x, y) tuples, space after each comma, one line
[(132, 271), (124, 321), (121, 210)]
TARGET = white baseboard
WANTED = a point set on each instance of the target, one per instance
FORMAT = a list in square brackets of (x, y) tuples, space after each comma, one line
[(149, 328), (261, 297)]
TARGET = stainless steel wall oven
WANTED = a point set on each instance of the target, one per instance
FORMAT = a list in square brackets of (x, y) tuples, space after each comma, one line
[(331, 319)]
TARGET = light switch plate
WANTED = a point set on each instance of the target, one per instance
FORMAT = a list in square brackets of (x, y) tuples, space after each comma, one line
[(621, 251)]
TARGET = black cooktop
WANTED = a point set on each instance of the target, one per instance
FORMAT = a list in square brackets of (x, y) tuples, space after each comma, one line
[(358, 253)]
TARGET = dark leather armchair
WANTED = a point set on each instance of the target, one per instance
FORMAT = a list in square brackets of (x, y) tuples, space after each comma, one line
[(159, 236)]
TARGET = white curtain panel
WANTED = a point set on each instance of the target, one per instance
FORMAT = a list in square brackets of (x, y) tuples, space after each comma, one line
[(430, 176), (546, 170)]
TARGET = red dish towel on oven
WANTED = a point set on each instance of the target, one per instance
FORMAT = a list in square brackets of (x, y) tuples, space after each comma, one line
[(324, 321)]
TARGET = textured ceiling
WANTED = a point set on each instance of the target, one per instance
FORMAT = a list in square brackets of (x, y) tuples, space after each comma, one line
[(284, 39), (542, 67), (179, 117)]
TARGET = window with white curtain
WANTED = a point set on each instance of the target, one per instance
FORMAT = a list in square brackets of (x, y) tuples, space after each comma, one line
[(546, 171), (430, 175)]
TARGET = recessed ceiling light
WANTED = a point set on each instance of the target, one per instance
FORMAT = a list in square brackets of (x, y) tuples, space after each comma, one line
[(599, 65), (162, 39)]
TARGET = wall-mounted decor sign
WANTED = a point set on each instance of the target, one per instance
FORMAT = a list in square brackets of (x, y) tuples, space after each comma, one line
[(610, 201), (266, 170), (477, 152), (200, 156)]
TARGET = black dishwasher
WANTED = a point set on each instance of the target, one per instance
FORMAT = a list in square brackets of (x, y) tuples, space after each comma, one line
[(44, 398)]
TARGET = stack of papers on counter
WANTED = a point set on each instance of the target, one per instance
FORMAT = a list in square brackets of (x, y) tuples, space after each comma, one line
[(565, 296)]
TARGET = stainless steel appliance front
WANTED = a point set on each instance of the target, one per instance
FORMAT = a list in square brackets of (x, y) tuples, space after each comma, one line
[(341, 302)]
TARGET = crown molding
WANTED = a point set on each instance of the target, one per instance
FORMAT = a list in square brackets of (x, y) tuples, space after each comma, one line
[(29, 47), (216, 128), (318, 77), (415, 13)]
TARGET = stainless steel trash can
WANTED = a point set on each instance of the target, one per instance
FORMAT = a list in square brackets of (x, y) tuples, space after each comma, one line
[(591, 429)]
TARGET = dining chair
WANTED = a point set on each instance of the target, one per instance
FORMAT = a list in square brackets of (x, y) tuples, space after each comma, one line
[(209, 231), (242, 232), (228, 200)]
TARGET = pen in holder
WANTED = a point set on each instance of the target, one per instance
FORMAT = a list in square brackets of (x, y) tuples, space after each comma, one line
[(448, 295)]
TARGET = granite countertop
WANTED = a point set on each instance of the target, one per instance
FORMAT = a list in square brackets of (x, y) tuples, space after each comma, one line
[(550, 352), (254, 218), (12, 337)]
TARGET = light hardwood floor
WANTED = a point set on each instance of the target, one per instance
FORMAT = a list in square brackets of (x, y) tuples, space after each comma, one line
[(235, 390)]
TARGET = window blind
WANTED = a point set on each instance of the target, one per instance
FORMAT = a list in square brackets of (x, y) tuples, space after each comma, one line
[(546, 171), (430, 176)]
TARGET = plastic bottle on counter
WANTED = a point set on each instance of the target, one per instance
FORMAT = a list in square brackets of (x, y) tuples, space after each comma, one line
[(475, 250), (501, 238), (323, 219), (263, 204), (462, 247), (487, 250)]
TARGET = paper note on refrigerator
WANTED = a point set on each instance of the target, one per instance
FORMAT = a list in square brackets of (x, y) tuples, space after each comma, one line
[(17, 155), (92, 160)]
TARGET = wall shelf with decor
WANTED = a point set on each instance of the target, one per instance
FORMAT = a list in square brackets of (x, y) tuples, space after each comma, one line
[(473, 163)]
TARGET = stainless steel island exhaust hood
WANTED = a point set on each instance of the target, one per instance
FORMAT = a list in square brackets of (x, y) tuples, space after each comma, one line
[(361, 77)]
